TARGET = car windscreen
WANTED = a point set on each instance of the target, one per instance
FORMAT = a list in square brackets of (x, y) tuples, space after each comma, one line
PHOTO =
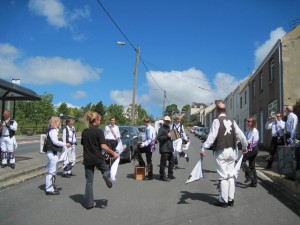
[(124, 133), (142, 129)]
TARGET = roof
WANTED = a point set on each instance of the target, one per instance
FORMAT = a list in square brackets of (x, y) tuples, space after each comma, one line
[(10, 91)]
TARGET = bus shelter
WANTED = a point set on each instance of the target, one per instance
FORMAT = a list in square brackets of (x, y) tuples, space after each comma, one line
[(11, 92)]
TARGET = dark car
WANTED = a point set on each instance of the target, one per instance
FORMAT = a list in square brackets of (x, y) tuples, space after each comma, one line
[(204, 134), (130, 137)]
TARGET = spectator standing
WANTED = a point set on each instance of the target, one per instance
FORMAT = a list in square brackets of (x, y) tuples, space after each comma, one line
[(291, 125), (277, 125), (252, 136)]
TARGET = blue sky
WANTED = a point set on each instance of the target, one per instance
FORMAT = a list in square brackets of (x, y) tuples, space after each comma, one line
[(197, 51)]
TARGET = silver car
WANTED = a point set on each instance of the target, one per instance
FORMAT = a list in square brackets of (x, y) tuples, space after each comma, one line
[(142, 130)]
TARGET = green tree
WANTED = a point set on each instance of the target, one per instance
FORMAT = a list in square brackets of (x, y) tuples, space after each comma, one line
[(21, 112), (116, 111), (185, 108), (172, 109), (41, 111), (63, 109), (141, 114), (99, 108)]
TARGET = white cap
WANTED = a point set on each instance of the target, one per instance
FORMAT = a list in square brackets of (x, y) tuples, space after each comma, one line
[(167, 118)]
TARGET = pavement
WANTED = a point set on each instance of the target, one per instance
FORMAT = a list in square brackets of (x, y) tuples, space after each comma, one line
[(30, 165)]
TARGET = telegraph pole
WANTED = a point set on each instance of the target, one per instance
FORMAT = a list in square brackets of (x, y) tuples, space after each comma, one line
[(137, 51)]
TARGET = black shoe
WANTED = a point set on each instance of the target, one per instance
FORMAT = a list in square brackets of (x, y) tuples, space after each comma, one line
[(231, 203), (65, 175), (107, 181), (149, 178), (90, 207), (12, 166), (253, 185), (171, 177), (52, 192), (176, 167), (221, 204), (187, 159), (247, 180), (165, 179), (3, 165)]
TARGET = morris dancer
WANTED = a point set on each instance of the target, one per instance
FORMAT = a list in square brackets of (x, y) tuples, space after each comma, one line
[(8, 141), (54, 146), (177, 144), (252, 140), (223, 135), (69, 136), (146, 146)]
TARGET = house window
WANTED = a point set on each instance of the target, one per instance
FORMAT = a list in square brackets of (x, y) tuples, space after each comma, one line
[(261, 81), (272, 71), (245, 97), (230, 103), (253, 89), (272, 108), (241, 102)]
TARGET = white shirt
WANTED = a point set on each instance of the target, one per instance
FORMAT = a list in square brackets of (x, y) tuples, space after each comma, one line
[(5, 131), (277, 127), (109, 135), (149, 136), (72, 136), (252, 136), (177, 127), (213, 133), (291, 124)]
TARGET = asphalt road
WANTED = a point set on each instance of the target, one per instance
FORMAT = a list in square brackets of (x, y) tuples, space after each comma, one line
[(144, 202)]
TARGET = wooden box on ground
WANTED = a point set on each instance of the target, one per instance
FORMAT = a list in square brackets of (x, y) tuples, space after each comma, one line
[(139, 173)]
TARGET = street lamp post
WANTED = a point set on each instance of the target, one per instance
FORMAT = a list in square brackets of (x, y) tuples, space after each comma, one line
[(137, 52)]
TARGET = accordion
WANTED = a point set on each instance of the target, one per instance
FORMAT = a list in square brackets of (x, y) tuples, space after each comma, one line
[(174, 134)]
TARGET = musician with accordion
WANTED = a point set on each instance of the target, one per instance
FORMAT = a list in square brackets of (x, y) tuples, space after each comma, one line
[(179, 137)]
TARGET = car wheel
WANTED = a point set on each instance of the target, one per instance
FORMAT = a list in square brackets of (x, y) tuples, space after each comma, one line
[(129, 155)]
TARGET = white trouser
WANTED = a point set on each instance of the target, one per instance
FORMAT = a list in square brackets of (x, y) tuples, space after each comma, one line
[(52, 168), (7, 146), (69, 160), (225, 159), (177, 144)]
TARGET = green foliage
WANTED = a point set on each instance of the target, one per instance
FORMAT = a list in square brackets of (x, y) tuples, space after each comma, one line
[(99, 108), (116, 111), (172, 109), (63, 109), (185, 108)]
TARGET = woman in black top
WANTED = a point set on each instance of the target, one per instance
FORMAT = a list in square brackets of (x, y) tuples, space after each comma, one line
[(93, 142)]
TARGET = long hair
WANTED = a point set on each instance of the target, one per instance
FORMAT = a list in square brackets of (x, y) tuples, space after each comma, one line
[(253, 124), (52, 123), (90, 118)]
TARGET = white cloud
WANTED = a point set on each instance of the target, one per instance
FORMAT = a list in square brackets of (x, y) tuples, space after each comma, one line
[(68, 104), (224, 84), (262, 51), (79, 95), (42, 70), (59, 17), (123, 98), (53, 10)]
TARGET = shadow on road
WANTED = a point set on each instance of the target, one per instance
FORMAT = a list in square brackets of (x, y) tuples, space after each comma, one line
[(80, 198), (185, 195)]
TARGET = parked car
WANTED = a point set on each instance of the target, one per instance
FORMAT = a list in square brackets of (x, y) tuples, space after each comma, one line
[(142, 130), (193, 129), (204, 134), (198, 131), (130, 137)]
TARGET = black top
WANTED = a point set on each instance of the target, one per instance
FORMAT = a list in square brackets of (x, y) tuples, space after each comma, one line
[(165, 142), (225, 139), (91, 139)]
